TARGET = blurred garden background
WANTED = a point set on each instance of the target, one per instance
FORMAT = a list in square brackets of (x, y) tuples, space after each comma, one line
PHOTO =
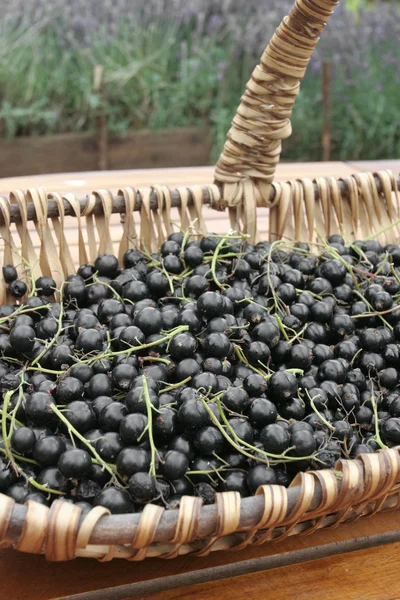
[(168, 64)]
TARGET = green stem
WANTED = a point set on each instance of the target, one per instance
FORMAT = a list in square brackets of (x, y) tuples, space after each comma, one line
[(372, 309), (129, 349), (18, 404), (242, 358), (21, 458), (21, 310), (168, 276), (238, 444), (298, 335), (155, 359), (4, 432), (43, 370), (335, 254), (280, 457), (185, 239), (72, 430), (7, 435), (376, 419), (383, 230), (44, 488), (323, 420), (269, 260), (175, 386), (207, 472), (226, 436), (7, 416), (282, 327), (31, 276), (149, 409), (214, 261), (114, 293), (57, 334)]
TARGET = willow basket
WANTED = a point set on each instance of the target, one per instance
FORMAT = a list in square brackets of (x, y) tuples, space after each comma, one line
[(354, 205)]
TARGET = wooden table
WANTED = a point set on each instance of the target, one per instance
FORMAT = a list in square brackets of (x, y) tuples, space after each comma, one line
[(357, 561)]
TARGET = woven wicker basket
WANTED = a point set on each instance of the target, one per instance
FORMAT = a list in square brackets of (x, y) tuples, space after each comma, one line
[(356, 205)]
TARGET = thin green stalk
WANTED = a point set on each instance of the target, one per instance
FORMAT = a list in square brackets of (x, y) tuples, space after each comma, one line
[(186, 236), (226, 436), (165, 361), (21, 310), (269, 260), (355, 355), (239, 353), (7, 416), (208, 471), (149, 409), (394, 273), (168, 276), (21, 458), (281, 457), (335, 254), (44, 488), (31, 276), (238, 444), (323, 420), (372, 309), (298, 335), (80, 437), (376, 424), (175, 386), (43, 370), (129, 349), (57, 334), (376, 313), (4, 433), (242, 358), (107, 285), (282, 327), (214, 261), (383, 230), (16, 407)]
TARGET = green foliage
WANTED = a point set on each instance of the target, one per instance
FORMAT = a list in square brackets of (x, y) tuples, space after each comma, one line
[(171, 72), (356, 5)]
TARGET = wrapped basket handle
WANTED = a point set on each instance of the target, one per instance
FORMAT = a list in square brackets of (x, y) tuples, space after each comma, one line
[(253, 146)]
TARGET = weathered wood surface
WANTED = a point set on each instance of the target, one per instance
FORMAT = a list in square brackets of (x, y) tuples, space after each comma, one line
[(80, 151), (363, 575), (173, 177)]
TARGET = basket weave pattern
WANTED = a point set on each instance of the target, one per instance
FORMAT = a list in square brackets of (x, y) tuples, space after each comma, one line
[(314, 500), (355, 205)]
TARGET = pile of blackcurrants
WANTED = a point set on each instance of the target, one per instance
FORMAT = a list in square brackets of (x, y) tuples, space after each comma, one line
[(213, 365)]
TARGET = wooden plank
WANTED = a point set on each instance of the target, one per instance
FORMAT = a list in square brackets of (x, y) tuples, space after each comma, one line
[(173, 177), (354, 576), (167, 148), (88, 181), (52, 154), (376, 165), (48, 581), (78, 151)]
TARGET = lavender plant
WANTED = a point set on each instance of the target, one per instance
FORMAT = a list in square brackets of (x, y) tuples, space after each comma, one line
[(183, 62)]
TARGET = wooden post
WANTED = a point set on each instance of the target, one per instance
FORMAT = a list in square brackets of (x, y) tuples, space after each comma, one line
[(326, 111), (100, 122)]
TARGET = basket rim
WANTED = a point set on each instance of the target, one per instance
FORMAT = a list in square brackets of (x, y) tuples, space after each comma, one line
[(323, 498)]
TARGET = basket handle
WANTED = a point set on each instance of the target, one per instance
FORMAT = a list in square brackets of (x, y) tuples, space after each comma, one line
[(253, 146)]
